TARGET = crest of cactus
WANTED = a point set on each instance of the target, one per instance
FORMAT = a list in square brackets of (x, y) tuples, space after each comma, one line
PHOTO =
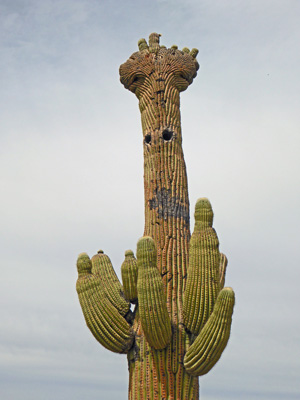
[(181, 313)]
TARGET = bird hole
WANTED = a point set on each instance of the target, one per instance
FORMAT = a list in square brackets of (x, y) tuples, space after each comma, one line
[(167, 135), (148, 139)]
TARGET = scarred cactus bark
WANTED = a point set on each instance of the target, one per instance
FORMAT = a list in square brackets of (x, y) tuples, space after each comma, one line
[(181, 320)]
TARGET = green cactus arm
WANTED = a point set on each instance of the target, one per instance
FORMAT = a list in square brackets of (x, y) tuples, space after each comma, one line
[(209, 345), (102, 267), (203, 281), (104, 321), (129, 276), (153, 312)]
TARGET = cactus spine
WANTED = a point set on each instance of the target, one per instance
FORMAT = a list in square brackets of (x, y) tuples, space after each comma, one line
[(181, 321)]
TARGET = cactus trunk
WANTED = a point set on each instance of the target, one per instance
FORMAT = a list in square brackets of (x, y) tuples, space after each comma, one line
[(167, 222), (160, 374)]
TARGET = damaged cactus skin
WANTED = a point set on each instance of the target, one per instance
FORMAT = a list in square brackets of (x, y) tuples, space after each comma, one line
[(182, 313)]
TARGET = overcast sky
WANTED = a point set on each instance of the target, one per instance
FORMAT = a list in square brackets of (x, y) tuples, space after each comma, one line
[(71, 171)]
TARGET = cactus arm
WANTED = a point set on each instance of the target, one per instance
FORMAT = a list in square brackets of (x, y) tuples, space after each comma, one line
[(153, 312), (203, 281), (104, 321), (102, 267), (129, 276), (209, 345)]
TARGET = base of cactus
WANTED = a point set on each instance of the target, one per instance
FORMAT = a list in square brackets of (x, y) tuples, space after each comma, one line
[(155, 374)]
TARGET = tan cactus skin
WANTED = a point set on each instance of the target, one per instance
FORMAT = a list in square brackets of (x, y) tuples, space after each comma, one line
[(181, 321)]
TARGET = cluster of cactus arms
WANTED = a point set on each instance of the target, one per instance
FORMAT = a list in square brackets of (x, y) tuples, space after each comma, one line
[(181, 312)]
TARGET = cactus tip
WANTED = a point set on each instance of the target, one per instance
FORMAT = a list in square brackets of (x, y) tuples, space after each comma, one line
[(194, 52), (83, 255), (186, 50), (84, 263), (229, 292), (204, 212), (146, 240), (142, 44), (129, 253), (145, 244), (203, 202)]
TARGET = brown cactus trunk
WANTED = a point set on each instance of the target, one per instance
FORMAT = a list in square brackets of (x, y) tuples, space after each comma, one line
[(159, 374)]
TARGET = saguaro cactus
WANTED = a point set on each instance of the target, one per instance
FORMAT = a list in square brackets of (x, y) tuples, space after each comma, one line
[(180, 323)]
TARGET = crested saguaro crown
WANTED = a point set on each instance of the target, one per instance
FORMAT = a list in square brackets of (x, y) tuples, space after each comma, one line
[(172, 316), (157, 75)]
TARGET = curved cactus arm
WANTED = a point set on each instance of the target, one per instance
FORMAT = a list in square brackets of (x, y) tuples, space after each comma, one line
[(129, 276), (222, 269), (203, 280), (209, 345), (153, 312), (102, 318), (102, 267)]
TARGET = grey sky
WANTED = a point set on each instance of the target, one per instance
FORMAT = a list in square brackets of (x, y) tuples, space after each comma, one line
[(71, 173)]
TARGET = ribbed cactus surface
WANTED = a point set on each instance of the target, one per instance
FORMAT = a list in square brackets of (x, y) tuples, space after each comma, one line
[(180, 318)]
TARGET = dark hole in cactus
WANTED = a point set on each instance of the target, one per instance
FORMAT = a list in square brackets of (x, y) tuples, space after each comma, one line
[(148, 139), (167, 135)]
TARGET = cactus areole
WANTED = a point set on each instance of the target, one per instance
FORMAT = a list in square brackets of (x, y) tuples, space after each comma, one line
[(181, 312)]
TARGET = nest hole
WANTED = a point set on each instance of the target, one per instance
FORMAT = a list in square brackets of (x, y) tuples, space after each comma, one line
[(167, 135), (148, 139)]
